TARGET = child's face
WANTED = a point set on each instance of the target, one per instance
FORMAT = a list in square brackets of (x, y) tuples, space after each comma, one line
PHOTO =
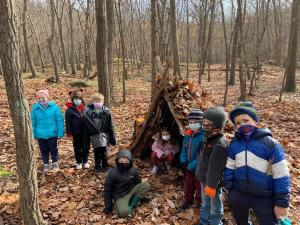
[(123, 160), (208, 125), (165, 133), (244, 119)]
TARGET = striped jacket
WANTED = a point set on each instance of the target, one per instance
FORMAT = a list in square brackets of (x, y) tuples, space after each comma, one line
[(258, 167)]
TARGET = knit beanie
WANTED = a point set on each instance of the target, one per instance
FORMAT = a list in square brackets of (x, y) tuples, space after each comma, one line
[(244, 108), (217, 116), (195, 114), (42, 93), (77, 93)]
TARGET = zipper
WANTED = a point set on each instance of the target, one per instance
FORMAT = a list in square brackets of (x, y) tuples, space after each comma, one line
[(246, 159)]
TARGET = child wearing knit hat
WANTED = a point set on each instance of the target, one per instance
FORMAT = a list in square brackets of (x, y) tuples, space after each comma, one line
[(191, 147), (256, 174), (211, 164), (47, 126)]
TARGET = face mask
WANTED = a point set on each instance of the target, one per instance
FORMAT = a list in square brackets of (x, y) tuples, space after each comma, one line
[(98, 105), (43, 102), (123, 167), (247, 130), (77, 102), (195, 126), (166, 137)]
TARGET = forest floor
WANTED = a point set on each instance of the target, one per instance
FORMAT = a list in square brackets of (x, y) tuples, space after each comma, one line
[(75, 197)]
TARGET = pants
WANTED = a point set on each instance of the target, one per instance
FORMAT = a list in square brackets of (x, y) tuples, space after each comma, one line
[(211, 208), (100, 157), (191, 185), (48, 146), (122, 204), (158, 161), (241, 202), (81, 153)]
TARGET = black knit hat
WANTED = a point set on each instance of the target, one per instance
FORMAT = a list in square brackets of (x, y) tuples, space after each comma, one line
[(217, 116), (195, 114)]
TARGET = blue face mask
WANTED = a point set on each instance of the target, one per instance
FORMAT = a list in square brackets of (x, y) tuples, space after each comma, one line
[(77, 102), (195, 126), (247, 130)]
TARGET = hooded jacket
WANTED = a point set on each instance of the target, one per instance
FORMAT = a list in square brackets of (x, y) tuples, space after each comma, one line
[(119, 183), (258, 167), (47, 122), (74, 119)]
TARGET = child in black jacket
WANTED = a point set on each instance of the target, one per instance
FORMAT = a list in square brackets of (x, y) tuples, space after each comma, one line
[(98, 127), (74, 128), (123, 186)]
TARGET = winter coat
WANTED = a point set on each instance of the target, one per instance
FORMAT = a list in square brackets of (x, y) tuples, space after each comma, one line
[(166, 149), (258, 167), (74, 119), (212, 161), (191, 147), (118, 184), (47, 122)]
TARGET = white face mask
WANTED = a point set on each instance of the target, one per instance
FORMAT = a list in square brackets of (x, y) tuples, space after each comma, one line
[(166, 137)]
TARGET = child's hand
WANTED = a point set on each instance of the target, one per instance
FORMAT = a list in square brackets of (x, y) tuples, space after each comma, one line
[(280, 212), (211, 192), (71, 138)]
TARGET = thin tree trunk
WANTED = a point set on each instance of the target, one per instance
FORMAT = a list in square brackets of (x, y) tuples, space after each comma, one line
[(187, 40), (101, 47), (1, 70), (210, 34), (72, 50), (19, 111), (110, 39), (86, 70), (27, 49)]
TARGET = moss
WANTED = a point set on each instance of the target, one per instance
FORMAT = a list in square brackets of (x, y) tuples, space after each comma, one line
[(4, 173)]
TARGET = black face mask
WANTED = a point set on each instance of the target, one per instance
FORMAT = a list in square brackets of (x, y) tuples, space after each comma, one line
[(123, 167)]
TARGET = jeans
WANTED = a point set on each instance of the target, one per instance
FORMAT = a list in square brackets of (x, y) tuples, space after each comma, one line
[(211, 208), (47, 147)]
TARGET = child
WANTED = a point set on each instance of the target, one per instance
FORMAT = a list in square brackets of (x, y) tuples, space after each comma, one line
[(163, 150), (74, 128), (99, 127), (47, 126), (123, 186), (192, 144), (256, 174), (211, 165)]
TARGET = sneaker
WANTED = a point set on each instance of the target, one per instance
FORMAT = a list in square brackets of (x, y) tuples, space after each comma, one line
[(154, 170), (185, 206), (46, 168), (55, 165), (79, 166), (86, 165), (97, 171)]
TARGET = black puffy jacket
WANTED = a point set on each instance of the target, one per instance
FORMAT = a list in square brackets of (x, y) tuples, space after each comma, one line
[(73, 120), (117, 183)]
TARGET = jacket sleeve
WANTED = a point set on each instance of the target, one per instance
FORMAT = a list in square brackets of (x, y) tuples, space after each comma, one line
[(111, 131), (59, 122), (68, 121), (229, 170), (281, 177), (109, 185), (193, 165), (216, 165), (183, 154), (86, 137), (33, 123)]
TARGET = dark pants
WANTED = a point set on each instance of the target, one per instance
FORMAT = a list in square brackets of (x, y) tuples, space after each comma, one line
[(48, 146), (159, 161), (241, 202), (191, 185), (81, 153), (100, 156)]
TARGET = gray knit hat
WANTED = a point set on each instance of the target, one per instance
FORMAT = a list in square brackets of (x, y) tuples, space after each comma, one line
[(195, 114), (217, 115)]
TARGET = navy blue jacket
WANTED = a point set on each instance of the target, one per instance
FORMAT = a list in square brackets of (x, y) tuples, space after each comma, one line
[(74, 120)]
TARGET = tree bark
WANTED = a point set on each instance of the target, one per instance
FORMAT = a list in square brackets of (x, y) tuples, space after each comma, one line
[(187, 40), (290, 69), (1, 70), (72, 50), (27, 49), (101, 47), (176, 69), (87, 45), (19, 111)]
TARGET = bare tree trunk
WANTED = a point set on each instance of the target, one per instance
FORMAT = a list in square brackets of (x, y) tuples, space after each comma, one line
[(27, 49), (210, 34), (1, 70), (110, 39), (119, 17), (50, 41), (290, 69), (19, 111), (187, 40), (86, 70), (278, 32), (176, 69), (101, 47), (72, 47), (234, 51)]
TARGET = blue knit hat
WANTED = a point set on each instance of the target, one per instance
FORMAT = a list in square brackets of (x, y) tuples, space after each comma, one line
[(244, 108)]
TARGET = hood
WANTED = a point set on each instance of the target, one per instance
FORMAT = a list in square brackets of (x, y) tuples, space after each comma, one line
[(259, 133), (125, 153), (37, 105)]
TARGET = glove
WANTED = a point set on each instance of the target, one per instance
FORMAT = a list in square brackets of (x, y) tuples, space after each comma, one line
[(211, 192), (107, 211)]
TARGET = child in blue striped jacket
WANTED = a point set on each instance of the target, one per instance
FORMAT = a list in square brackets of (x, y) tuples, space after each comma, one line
[(256, 175)]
